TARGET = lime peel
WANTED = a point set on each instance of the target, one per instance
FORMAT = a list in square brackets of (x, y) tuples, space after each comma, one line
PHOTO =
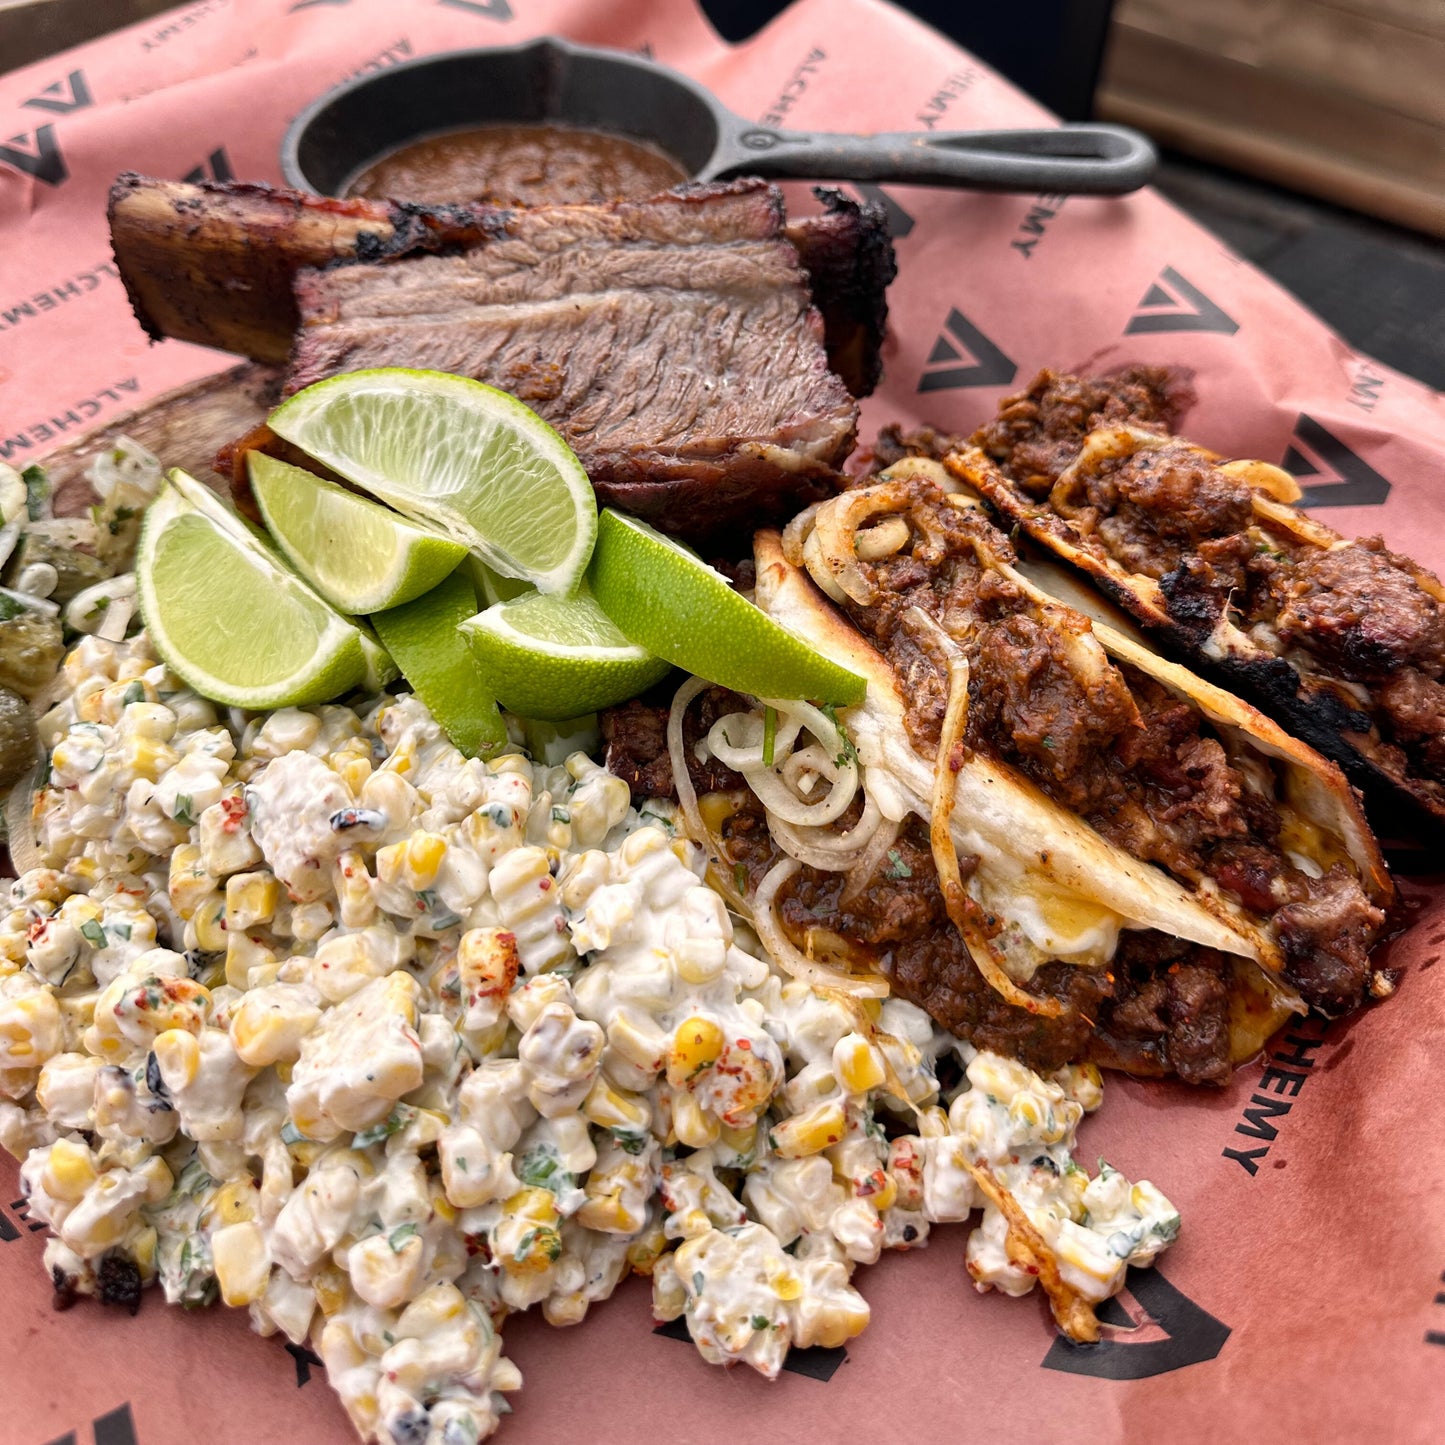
[(461, 455), (360, 556), (667, 599), (227, 615), (556, 657), (422, 638)]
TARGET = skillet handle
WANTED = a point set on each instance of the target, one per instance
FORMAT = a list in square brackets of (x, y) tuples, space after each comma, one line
[(1101, 160)]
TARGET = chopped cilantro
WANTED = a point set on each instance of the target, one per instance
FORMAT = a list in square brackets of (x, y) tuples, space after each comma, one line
[(37, 489), (848, 754), (1168, 1228), (1048, 742), (136, 692), (561, 815), (399, 1118), (897, 868), (740, 877), (9, 609), (399, 1236), (630, 1141), (697, 1282), (93, 933), (760, 1322), (185, 810)]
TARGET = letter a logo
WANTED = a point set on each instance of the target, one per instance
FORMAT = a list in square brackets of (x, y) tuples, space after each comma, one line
[(1346, 480), (1172, 304), (962, 342), (1183, 1334)]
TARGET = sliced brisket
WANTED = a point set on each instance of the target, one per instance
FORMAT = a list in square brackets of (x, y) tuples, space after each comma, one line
[(672, 342)]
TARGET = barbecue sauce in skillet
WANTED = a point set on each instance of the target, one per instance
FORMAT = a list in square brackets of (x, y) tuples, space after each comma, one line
[(525, 164)]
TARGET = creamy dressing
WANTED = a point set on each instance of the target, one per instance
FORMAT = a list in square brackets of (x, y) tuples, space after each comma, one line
[(382, 1043)]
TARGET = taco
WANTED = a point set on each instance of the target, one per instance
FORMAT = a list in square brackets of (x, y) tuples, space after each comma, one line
[(1342, 642), (1061, 845)]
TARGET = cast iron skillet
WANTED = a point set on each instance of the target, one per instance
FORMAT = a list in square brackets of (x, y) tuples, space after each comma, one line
[(343, 132)]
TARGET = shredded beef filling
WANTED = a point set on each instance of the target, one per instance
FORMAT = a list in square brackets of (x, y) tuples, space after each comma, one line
[(1104, 740), (1037, 433), (1152, 507), (1360, 612)]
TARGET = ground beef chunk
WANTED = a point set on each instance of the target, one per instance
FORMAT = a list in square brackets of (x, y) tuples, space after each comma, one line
[(118, 1282), (1170, 1011), (1037, 433), (1415, 707), (1030, 702), (636, 738), (894, 444), (1326, 937), (1359, 610), (1154, 506)]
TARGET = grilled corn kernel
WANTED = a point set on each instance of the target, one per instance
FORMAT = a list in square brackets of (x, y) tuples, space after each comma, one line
[(810, 1132), (243, 953), (644, 1251), (329, 1282), (189, 882), (611, 1108), (422, 859), (29, 1030), (701, 960), (354, 771), (233, 1203), (634, 1036), (143, 757), (142, 1250), (251, 898), (696, 1045), (857, 1064), (608, 1214), (693, 1125), (178, 1057), (241, 1261), (352, 883), (69, 1171), (209, 924)]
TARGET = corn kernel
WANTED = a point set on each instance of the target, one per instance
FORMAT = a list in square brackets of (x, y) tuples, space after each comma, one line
[(233, 1203), (329, 1282), (242, 1262), (29, 1030), (69, 1171), (143, 1252), (693, 1126), (251, 898), (857, 1064), (611, 1108), (810, 1132), (696, 1045), (354, 772), (209, 923), (143, 757), (244, 953), (608, 1214), (178, 1056)]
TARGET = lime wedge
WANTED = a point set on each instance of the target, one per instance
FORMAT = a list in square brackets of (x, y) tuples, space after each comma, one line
[(228, 616), (666, 599), (360, 557), (466, 457), (380, 669), (557, 657), (492, 587), (422, 637)]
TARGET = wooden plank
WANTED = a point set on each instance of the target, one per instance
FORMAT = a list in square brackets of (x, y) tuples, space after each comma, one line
[(184, 428)]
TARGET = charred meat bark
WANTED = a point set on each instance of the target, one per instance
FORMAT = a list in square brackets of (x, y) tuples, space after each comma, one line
[(671, 342), (1342, 642), (213, 263)]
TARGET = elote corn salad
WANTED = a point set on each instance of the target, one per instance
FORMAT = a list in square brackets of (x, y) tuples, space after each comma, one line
[(309, 1012)]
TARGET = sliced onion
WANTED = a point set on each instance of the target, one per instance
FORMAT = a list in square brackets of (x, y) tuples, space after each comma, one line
[(797, 532), (963, 912), (677, 755), (20, 820), (33, 603), (861, 871), (788, 957)]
